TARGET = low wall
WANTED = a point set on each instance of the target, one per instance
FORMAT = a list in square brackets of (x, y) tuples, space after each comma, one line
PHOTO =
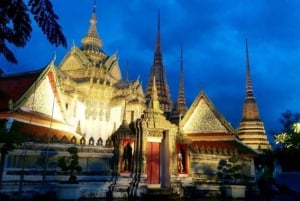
[(290, 180)]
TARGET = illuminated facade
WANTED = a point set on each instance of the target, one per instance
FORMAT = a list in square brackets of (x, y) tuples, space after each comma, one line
[(126, 140)]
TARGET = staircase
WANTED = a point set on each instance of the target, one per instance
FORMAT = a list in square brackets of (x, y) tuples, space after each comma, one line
[(160, 194)]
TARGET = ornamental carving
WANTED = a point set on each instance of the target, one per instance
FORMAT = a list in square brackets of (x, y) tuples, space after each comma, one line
[(203, 119), (155, 134), (43, 100)]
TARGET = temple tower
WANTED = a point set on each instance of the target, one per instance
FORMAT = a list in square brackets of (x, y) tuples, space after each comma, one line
[(251, 130), (158, 72), (180, 107), (92, 43)]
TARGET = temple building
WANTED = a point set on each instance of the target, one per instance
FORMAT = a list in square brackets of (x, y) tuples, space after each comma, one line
[(130, 142)]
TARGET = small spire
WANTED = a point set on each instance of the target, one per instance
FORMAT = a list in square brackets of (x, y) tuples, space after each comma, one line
[(92, 40), (181, 103), (154, 96), (127, 65)]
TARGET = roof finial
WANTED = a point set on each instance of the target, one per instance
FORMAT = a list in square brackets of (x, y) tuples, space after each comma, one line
[(157, 53), (92, 40), (158, 20), (94, 7), (53, 60), (154, 96), (127, 65)]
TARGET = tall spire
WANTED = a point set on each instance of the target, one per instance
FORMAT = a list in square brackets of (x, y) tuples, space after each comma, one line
[(180, 107), (157, 53), (249, 88), (92, 40), (250, 111), (251, 130), (158, 73)]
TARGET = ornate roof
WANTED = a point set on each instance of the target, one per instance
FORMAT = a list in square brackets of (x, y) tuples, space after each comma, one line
[(89, 62), (13, 86)]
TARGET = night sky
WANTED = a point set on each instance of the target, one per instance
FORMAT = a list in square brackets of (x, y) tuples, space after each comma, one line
[(212, 33)]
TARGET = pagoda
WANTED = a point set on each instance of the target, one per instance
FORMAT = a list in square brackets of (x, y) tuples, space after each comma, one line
[(251, 130), (158, 72)]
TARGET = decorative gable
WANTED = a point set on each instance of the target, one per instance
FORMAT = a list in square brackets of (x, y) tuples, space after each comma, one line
[(43, 100), (70, 64), (43, 96), (74, 60), (203, 117)]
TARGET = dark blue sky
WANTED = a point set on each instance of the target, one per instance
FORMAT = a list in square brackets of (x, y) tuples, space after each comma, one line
[(213, 34)]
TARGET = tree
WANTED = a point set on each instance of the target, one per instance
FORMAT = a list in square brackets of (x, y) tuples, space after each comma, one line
[(15, 24), (70, 164), (231, 170), (9, 138), (288, 150)]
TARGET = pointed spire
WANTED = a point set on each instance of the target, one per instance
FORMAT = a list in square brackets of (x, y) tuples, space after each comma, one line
[(251, 130), (181, 98), (181, 107), (154, 97), (157, 53), (250, 110), (92, 40), (249, 88), (53, 60), (158, 71), (127, 65)]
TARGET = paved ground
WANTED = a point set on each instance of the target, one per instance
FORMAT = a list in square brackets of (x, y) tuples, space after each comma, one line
[(284, 195)]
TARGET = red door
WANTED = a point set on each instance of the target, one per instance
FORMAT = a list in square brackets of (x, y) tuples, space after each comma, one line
[(153, 162)]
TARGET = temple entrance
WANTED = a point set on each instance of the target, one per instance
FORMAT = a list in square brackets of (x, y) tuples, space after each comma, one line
[(153, 162)]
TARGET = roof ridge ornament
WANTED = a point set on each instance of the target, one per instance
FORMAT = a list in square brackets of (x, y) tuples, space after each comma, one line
[(54, 59), (92, 41)]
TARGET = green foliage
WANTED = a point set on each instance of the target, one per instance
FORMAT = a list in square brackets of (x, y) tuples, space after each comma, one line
[(288, 118), (15, 24), (288, 142), (70, 163), (291, 138), (10, 139)]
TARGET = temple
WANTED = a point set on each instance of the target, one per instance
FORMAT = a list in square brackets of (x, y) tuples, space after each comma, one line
[(130, 142)]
